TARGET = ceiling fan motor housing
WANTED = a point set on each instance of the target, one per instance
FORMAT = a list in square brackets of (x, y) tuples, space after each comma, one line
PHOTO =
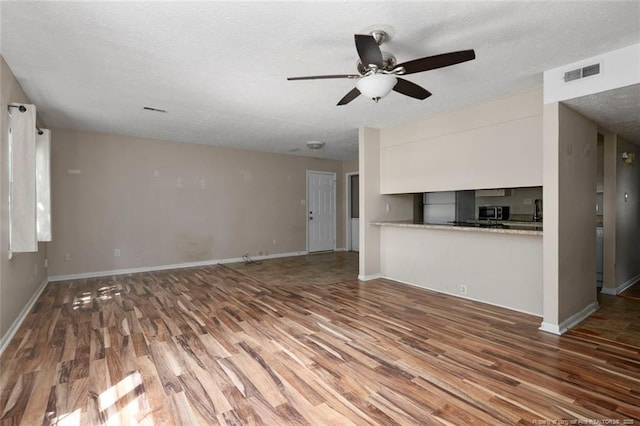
[(388, 63)]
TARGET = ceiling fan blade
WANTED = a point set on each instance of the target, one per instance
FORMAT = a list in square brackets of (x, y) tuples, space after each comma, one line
[(368, 50), (437, 61), (411, 89), (349, 96), (320, 77)]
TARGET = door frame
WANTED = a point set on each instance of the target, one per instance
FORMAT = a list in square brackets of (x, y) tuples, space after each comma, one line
[(306, 206), (347, 235)]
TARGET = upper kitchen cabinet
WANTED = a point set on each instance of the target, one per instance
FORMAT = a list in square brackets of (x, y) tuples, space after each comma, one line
[(496, 144)]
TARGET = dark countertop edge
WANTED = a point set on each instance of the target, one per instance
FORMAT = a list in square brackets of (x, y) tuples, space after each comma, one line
[(523, 230)]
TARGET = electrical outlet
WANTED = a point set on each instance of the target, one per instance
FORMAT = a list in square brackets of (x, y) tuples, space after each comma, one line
[(116, 252), (46, 263), (303, 202), (274, 241), (67, 257), (463, 289), (388, 208)]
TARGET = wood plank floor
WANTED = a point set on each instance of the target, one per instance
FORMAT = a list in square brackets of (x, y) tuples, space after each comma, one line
[(617, 318), (213, 346), (320, 268), (632, 292)]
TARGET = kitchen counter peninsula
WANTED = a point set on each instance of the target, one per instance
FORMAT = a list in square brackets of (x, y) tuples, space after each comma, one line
[(497, 265), (500, 228)]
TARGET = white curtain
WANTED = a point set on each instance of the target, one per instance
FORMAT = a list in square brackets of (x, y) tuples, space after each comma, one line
[(22, 179), (43, 185)]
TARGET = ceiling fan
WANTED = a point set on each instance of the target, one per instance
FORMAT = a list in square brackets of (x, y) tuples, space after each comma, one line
[(378, 70)]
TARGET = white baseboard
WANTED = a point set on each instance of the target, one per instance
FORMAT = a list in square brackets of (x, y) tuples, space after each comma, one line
[(369, 277), (622, 287), (570, 322), (264, 257), (461, 296), (97, 274), (4, 341), (550, 328)]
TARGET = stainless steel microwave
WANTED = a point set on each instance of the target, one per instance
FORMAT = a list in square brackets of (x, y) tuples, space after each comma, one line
[(493, 213)]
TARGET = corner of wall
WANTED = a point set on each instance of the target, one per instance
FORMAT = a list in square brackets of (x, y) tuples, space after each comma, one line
[(569, 258), (370, 200), (21, 276), (550, 197)]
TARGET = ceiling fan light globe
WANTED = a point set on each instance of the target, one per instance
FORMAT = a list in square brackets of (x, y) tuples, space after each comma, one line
[(376, 86)]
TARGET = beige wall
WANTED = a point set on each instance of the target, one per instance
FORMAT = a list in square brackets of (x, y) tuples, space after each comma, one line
[(551, 203), (627, 264), (570, 170), (350, 166), (494, 144), (163, 203), (577, 221), (373, 205), (20, 276), (370, 202)]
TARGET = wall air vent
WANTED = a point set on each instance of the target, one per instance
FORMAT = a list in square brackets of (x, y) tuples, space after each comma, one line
[(579, 73), (591, 70), (573, 75)]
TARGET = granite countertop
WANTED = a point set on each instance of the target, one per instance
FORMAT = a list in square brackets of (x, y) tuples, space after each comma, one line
[(500, 228)]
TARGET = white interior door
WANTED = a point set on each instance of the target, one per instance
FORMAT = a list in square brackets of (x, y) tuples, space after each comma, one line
[(321, 211)]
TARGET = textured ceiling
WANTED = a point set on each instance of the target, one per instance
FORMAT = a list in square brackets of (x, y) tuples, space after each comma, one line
[(220, 68), (615, 110)]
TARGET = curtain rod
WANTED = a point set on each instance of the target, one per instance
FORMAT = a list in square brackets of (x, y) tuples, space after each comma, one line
[(22, 108)]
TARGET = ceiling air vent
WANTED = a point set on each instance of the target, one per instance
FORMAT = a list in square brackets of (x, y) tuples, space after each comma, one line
[(579, 73), (148, 108)]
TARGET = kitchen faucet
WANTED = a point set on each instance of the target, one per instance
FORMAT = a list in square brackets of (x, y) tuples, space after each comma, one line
[(537, 211)]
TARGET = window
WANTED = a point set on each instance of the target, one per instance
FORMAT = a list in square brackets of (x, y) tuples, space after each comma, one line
[(43, 185)]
